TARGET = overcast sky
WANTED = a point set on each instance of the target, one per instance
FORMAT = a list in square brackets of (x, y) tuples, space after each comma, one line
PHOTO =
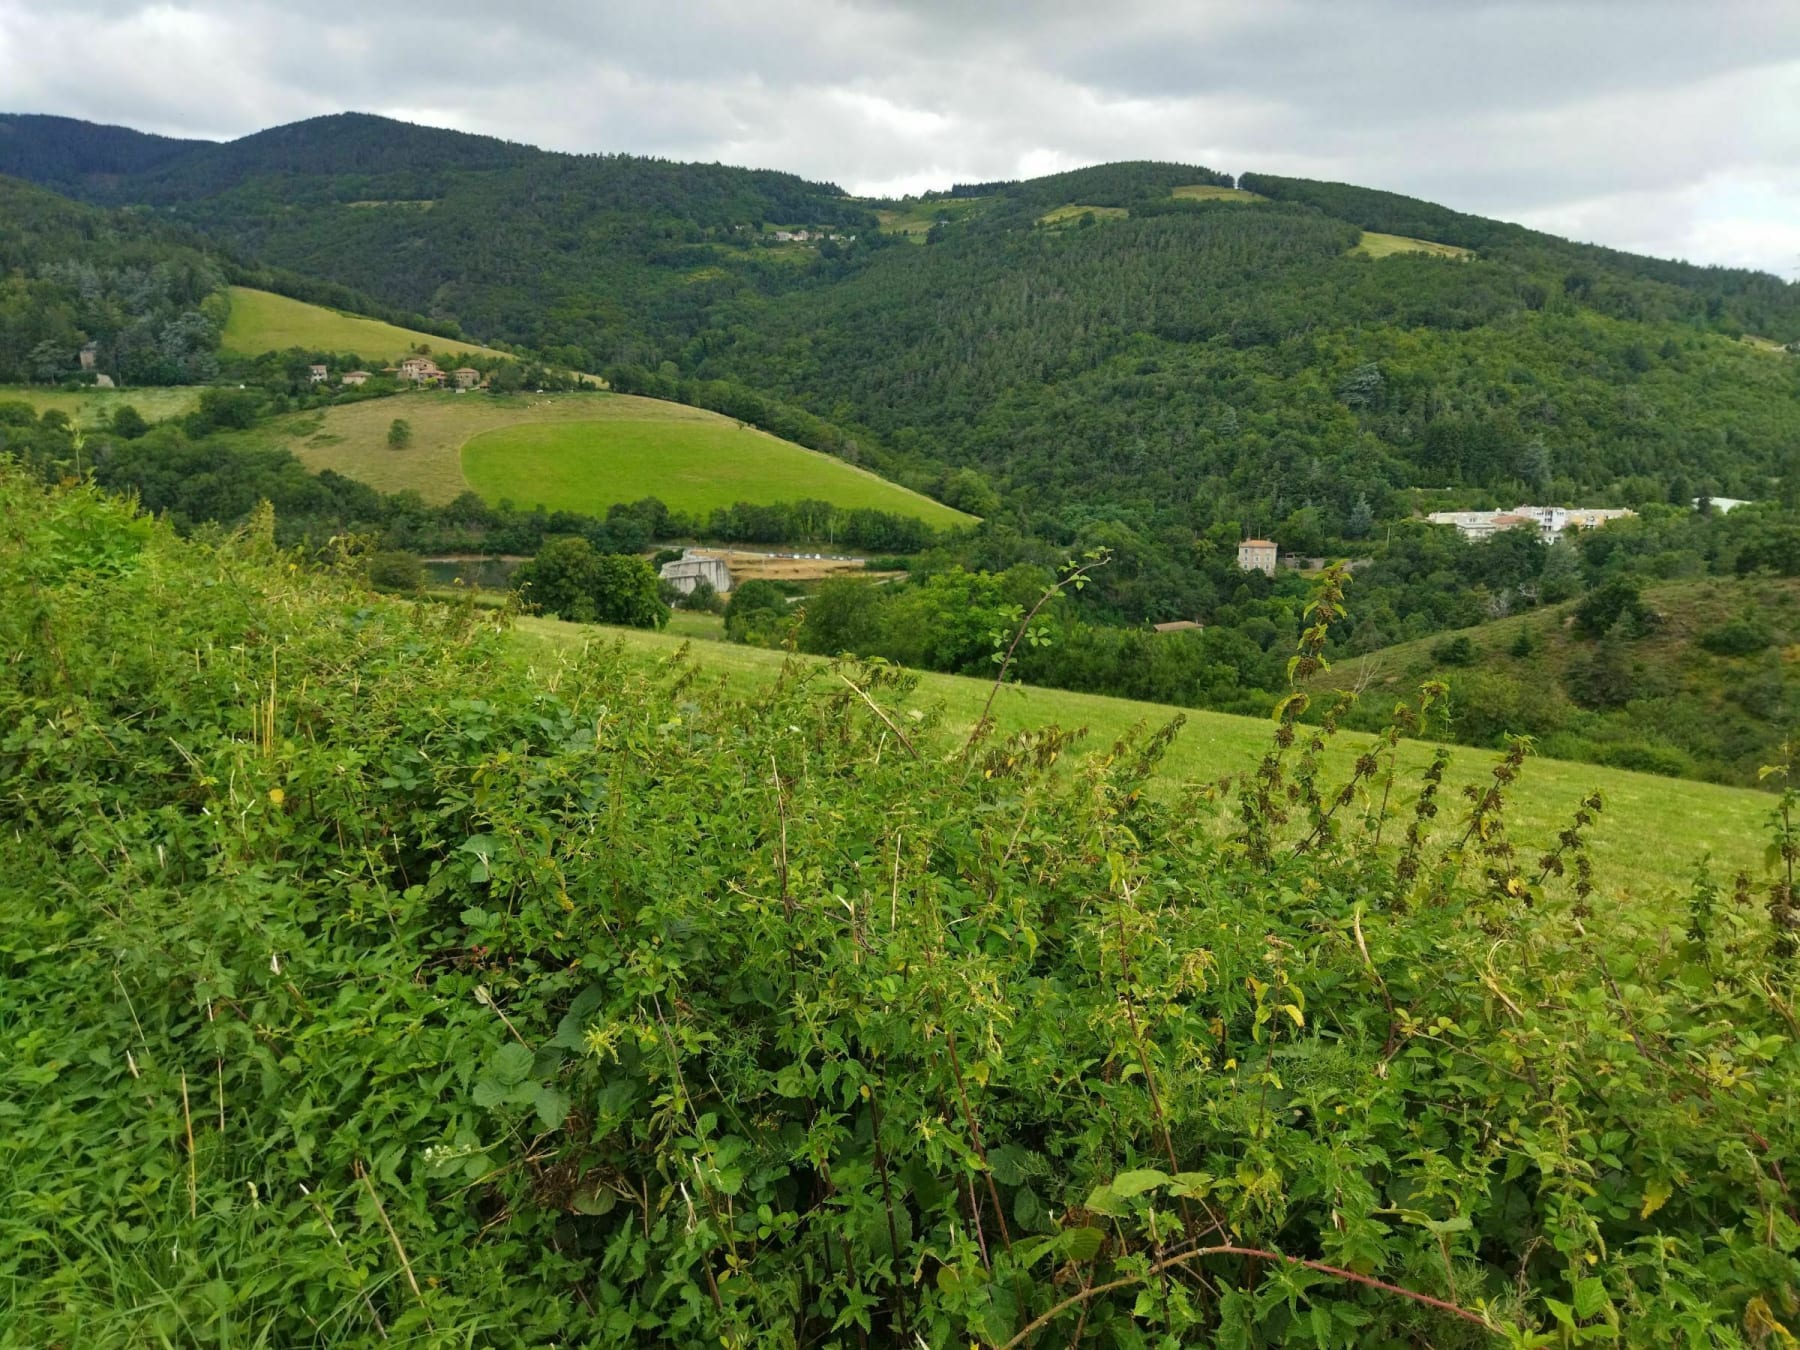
[(1664, 126)]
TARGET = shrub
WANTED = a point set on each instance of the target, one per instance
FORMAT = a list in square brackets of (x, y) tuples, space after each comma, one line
[(702, 599), (1608, 678), (369, 979), (1454, 651), (1602, 609), (399, 434), (1650, 757), (756, 609), (128, 423), (396, 571), (1743, 636)]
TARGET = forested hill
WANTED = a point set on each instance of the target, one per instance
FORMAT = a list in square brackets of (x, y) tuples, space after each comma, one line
[(1134, 354), (132, 286), (603, 257), (81, 158)]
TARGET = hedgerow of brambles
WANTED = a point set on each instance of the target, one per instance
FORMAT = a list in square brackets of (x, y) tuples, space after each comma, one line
[(362, 984)]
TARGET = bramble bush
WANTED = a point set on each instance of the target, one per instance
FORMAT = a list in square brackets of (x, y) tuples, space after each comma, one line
[(362, 982)]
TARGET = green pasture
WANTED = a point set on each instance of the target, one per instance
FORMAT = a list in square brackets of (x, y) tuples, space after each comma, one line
[(1062, 215), (262, 321), (1375, 245), (89, 407), (1649, 837), (580, 451), (1212, 192), (692, 465)]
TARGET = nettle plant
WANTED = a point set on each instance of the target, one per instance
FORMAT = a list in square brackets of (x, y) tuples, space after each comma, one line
[(371, 976)]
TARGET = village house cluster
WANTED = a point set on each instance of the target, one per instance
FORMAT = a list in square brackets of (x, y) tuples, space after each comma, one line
[(414, 370), (423, 370), (1548, 521)]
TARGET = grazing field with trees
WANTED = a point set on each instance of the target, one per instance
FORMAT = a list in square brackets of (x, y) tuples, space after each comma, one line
[(518, 996)]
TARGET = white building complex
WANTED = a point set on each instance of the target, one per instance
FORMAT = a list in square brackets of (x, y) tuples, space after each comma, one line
[(1548, 521)]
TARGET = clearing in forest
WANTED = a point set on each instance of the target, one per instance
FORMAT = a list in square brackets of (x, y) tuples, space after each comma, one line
[(262, 321), (1374, 245), (1064, 215), (914, 219), (1212, 192)]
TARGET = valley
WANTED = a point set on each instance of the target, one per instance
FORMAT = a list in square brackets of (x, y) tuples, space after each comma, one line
[(1093, 864)]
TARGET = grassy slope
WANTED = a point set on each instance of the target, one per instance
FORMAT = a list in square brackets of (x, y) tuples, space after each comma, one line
[(352, 440), (694, 466), (1376, 245), (95, 407), (1652, 831), (264, 322), (1674, 667)]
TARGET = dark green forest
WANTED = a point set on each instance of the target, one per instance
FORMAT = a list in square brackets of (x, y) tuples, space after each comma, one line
[(72, 275)]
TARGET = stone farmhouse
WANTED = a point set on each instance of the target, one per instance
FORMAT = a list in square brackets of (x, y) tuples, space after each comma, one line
[(317, 374), (420, 370), (355, 377), (1257, 555), (689, 570)]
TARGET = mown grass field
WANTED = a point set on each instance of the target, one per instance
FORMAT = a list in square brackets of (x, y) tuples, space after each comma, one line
[(262, 321), (579, 452), (1064, 215), (1649, 837), (95, 407), (692, 465), (1212, 192), (1376, 245)]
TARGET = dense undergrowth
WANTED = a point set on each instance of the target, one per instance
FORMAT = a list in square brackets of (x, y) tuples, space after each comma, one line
[(362, 985)]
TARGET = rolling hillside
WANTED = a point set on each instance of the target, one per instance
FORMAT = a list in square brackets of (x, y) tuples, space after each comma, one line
[(580, 452), (1704, 690), (1206, 354), (1653, 830)]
